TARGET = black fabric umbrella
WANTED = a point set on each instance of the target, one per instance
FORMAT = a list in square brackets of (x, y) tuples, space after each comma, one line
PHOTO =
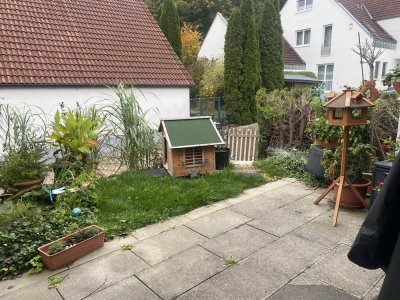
[(376, 241)]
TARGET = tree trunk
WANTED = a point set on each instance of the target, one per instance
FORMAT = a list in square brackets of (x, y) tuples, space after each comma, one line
[(371, 71)]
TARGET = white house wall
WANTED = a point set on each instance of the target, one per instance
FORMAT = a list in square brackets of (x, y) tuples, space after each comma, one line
[(161, 102), (392, 26), (213, 45), (347, 70)]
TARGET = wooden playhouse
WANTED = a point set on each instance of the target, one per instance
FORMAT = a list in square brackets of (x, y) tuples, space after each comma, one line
[(189, 146)]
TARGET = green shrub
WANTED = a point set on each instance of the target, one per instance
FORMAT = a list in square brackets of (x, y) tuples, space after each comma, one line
[(56, 247), (20, 239), (91, 232), (289, 165), (20, 167)]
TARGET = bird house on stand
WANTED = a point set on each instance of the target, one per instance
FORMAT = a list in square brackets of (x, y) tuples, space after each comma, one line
[(348, 109)]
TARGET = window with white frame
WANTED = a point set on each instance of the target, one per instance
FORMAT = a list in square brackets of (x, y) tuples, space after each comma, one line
[(384, 69), (325, 73), (376, 69), (193, 156), (303, 5), (303, 37)]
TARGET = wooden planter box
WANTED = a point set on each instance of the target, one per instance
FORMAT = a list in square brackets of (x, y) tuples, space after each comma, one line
[(73, 253)]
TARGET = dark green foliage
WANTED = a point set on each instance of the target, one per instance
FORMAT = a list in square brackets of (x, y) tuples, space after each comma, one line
[(56, 247), (359, 160), (170, 25), (135, 199), (20, 238), (270, 35), (251, 62), (242, 65), (233, 68), (289, 165), (202, 12), (91, 232)]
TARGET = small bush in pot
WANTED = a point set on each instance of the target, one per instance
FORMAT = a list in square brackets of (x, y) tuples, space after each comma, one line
[(359, 160), (393, 78), (20, 167), (321, 132), (56, 247)]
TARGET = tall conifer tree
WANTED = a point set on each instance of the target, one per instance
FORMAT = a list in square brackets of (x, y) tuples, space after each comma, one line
[(170, 25), (233, 67), (251, 61), (270, 36)]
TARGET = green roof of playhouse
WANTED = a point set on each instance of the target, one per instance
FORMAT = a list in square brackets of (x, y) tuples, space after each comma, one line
[(191, 132)]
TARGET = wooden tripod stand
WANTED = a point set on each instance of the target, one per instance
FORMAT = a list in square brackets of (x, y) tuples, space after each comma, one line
[(342, 180)]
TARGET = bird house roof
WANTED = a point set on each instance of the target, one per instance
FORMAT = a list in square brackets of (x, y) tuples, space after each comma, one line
[(190, 132), (349, 99)]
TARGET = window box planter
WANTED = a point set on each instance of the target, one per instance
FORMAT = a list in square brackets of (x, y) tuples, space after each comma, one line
[(74, 252)]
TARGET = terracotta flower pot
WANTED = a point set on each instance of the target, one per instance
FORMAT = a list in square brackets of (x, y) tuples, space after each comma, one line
[(67, 256), (328, 145), (396, 86), (349, 200)]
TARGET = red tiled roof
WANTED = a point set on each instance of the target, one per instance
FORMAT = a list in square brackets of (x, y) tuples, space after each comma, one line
[(383, 9), (85, 42), (291, 57), (360, 11)]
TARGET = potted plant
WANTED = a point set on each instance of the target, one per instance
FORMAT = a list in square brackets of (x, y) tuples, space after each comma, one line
[(324, 135), (359, 160), (22, 171), (72, 247), (393, 78)]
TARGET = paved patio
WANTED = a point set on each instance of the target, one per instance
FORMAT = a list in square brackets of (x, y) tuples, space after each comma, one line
[(269, 243)]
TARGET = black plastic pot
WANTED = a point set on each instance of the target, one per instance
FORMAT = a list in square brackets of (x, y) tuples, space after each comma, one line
[(314, 162), (222, 158)]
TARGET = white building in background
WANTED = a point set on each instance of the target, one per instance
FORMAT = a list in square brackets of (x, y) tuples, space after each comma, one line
[(213, 44), (75, 49), (323, 32)]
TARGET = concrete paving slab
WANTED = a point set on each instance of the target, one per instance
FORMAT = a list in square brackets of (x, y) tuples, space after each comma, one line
[(239, 243), (154, 229), (38, 291), (108, 247), (273, 185), (164, 245), (337, 270), (374, 293), (291, 254), (182, 272), (258, 206), (320, 230), (9, 286), (278, 222), (305, 208), (311, 292), (205, 210), (99, 274), (130, 288), (250, 279), (217, 222)]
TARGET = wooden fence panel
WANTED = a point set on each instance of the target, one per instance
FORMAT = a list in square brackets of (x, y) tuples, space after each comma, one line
[(243, 142)]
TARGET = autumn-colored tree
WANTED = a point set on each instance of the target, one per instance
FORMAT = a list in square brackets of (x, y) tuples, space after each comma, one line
[(191, 42)]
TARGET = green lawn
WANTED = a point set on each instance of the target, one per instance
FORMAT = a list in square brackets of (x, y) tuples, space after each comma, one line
[(135, 199)]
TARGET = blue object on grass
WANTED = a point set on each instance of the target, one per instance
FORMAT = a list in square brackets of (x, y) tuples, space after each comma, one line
[(76, 212)]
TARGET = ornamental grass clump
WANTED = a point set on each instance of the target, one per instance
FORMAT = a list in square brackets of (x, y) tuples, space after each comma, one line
[(131, 138)]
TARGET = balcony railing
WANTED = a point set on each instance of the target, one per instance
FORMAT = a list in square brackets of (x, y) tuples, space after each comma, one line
[(325, 50)]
